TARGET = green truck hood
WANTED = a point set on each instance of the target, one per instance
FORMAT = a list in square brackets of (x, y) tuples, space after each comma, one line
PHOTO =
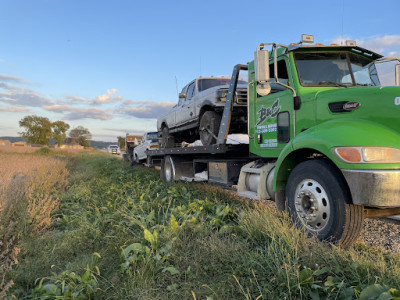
[(380, 105)]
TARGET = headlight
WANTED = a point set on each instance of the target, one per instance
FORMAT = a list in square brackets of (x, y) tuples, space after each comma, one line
[(367, 155), (221, 95)]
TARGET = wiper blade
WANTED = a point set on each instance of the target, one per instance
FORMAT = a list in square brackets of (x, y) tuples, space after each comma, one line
[(332, 83), (364, 84)]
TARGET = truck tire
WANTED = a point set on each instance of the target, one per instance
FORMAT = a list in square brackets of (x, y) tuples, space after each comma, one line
[(210, 122), (167, 169), (167, 141), (148, 161), (319, 201)]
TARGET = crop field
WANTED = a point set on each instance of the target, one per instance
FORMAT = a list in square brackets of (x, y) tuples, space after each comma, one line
[(85, 225)]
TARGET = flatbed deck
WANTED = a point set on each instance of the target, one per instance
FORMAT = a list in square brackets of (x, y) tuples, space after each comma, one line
[(235, 150)]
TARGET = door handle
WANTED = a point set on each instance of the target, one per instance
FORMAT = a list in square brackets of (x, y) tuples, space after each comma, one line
[(191, 113)]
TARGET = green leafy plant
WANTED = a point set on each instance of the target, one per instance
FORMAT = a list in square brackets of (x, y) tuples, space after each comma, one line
[(68, 285)]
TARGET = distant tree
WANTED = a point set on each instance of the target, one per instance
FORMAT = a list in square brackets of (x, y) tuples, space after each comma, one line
[(60, 129), (80, 135), (121, 142), (37, 130)]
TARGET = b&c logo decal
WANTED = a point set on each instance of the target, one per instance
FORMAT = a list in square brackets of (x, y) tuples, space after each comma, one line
[(266, 112)]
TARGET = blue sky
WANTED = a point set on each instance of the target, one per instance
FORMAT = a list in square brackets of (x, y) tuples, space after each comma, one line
[(111, 65)]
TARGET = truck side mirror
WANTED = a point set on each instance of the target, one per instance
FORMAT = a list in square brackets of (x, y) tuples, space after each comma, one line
[(261, 66), (397, 74), (182, 95)]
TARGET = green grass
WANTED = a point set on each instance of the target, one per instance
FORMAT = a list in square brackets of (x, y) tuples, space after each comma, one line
[(122, 233)]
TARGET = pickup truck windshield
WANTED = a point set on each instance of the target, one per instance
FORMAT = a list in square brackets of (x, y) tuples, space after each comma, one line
[(204, 84), (152, 136), (335, 69)]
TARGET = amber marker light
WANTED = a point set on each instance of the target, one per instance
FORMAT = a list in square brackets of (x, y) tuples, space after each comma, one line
[(349, 154)]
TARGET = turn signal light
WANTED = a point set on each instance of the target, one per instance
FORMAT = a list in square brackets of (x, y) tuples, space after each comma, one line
[(351, 155)]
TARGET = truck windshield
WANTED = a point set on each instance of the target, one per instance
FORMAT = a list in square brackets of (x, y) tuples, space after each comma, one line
[(204, 84), (152, 136), (335, 69)]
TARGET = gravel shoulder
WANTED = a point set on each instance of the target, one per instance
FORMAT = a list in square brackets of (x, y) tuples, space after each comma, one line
[(382, 233)]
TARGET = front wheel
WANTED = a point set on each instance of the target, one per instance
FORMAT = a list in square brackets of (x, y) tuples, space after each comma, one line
[(167, 140), (209, 127), (137, 160), (319, 201)]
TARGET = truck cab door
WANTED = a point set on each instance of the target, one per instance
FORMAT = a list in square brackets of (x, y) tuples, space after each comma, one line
[(187, 112), (272, 117)]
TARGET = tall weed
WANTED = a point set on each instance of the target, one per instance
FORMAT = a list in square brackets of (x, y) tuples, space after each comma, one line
[(28, 199)]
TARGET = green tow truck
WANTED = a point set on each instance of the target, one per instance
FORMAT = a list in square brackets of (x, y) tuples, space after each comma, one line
[(324, 138)]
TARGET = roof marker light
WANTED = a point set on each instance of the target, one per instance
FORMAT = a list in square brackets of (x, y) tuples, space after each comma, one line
[(307, 38), (351, 43)]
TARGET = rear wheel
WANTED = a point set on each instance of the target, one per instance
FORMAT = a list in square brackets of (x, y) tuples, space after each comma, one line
[(148, 161), (209, 127), (167, 140), (168, 169), (319, 201)]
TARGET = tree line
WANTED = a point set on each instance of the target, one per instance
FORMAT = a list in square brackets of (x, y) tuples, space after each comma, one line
[(39, 130)]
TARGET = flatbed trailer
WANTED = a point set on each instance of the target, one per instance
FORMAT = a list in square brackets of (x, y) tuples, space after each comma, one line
[(221, 161)]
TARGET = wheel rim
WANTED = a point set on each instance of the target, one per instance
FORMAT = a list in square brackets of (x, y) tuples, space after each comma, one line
[(168, 170), (312, 205)]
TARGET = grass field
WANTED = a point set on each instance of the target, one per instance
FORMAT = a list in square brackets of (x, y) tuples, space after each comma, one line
[(115, 232)]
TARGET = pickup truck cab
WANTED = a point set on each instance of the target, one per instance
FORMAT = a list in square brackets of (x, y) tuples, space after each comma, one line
[(148, 142), (199, 109)]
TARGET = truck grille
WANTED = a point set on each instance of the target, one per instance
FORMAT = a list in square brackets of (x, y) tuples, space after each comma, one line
[(241, 97)]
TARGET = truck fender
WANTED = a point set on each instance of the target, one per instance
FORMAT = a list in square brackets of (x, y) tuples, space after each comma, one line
[(319, 140), (206, 103)]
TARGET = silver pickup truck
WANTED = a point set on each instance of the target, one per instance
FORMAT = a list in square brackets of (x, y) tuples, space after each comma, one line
[(199, 110)]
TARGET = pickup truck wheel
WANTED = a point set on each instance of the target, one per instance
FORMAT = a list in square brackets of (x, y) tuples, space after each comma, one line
[(209, 126), (137, 160), (319, 201), (168, 169), (167, 141)]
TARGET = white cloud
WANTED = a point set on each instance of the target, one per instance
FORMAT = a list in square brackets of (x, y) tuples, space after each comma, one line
[(15, 95), (145, 109), (9, 78), (14, 109), (101, 99), (387, 45), (107, 98), (78, 113), (77, 99)]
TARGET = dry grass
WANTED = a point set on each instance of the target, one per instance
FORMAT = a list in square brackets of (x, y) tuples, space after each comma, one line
[(29, 184), (11, 149)]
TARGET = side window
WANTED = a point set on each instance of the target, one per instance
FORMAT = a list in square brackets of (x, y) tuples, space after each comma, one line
[(283, 76), (283, 122), (190, 91)]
